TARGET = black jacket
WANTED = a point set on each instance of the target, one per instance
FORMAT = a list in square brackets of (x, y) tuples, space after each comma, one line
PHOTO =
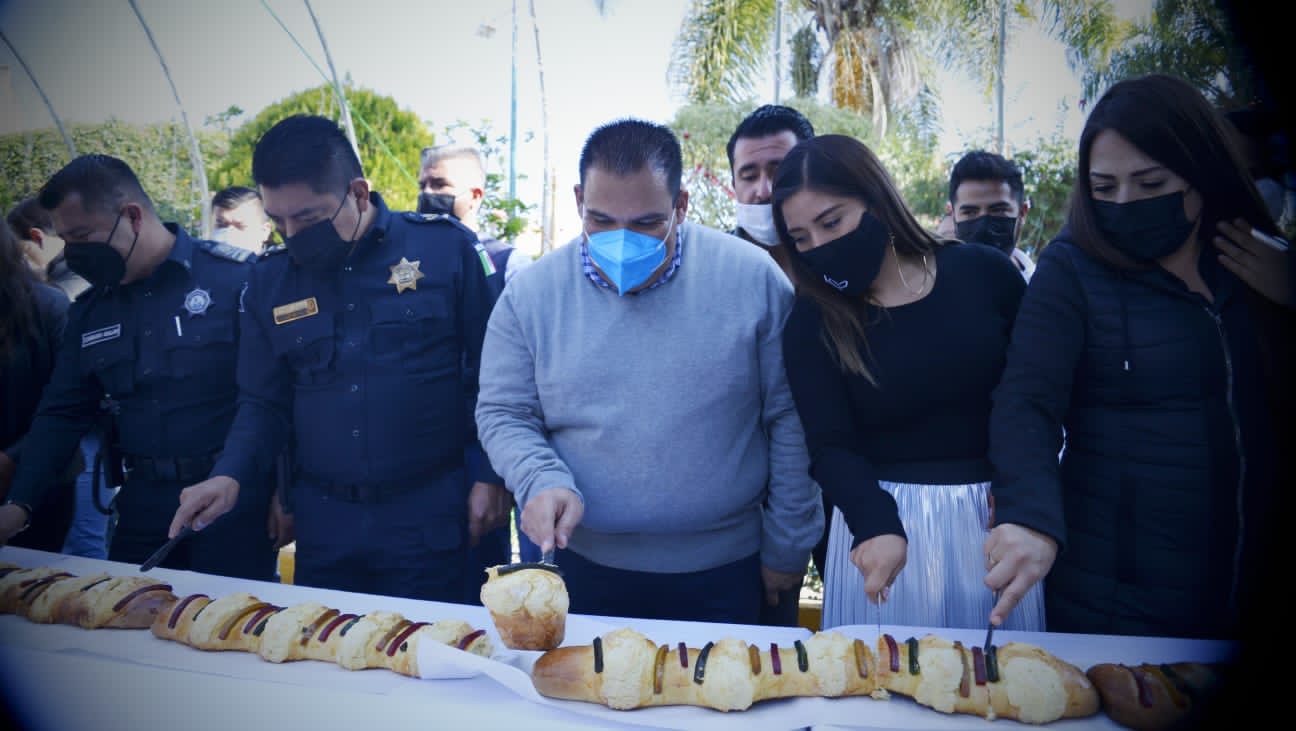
[(1169, 467)]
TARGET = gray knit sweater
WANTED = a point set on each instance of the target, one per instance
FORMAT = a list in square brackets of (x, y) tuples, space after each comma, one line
[(667, 411)]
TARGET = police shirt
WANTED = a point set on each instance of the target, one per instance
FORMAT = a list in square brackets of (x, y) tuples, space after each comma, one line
[(372, 368), (163, 348)]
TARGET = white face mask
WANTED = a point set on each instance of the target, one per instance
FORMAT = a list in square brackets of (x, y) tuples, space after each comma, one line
[(757, 219), (242, 239)]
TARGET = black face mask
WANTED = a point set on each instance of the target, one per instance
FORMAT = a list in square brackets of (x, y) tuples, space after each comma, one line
[(850, 264), (997, 231), (98, 262), (318, 247), (436, 203), (1146, 230)]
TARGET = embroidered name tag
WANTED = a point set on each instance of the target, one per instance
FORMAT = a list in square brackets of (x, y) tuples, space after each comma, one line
[(295, 311), (103, 334)]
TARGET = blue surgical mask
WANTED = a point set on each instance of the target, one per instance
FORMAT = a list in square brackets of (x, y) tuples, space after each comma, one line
[(627, 258)]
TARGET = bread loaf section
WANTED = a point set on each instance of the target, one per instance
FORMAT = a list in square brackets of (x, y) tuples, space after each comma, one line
[(311, 631), (624, 669), (50, 596), (1152, 697)]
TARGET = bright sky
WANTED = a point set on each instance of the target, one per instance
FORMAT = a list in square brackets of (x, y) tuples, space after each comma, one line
[(95, 63)]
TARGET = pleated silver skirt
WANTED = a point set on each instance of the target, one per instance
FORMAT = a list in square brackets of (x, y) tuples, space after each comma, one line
[(942, 583)]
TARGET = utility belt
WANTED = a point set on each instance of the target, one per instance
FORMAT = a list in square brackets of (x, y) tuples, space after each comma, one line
[(169, 469), (371, 492)]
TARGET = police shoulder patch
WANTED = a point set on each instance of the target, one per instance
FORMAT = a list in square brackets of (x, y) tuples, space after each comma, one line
[(227, 251), (274, 250)]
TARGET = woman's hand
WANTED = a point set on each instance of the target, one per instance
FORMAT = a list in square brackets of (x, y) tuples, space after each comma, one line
[(879, 560), (1016, 559)]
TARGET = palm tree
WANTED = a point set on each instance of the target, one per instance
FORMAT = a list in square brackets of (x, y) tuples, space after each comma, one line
[(1192, 38), (723, 48), (876, 51)]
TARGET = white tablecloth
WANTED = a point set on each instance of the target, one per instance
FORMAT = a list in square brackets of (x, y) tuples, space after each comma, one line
[(59, 677)]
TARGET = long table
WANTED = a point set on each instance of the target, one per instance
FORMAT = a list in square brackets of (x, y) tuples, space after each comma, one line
[(60, 677)]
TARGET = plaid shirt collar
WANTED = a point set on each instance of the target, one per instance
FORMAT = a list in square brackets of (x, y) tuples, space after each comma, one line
[(587, 264)]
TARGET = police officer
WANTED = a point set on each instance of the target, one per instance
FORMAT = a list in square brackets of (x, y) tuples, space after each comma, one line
[(156, 334), (362, 343), (452, 181)]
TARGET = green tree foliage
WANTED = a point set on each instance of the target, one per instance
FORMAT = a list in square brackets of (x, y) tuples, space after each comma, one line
[(1190, 38), (390, 140), (158, 153), (722, 49), (1048, 171)]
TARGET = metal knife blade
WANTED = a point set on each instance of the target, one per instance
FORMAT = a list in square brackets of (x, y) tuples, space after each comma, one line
[(161, 554), (990, 628), (548, 557)]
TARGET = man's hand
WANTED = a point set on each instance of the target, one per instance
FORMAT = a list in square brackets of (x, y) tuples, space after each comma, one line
[(279, 523), (549, 518), (777, 581), (488, 509), (7, 469), (204, 502), (879, 560), (1016, 558), (12, 520)]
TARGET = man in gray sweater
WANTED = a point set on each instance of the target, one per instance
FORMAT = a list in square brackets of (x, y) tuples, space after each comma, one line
[(633, 398)]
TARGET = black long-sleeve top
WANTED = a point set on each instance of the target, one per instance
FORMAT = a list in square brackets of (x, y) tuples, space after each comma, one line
[(936, 362), (26, 369)]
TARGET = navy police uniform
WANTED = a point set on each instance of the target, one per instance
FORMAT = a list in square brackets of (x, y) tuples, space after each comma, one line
[(371, 371), (162, 350)]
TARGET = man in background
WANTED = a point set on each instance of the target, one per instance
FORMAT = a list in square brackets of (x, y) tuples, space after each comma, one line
[(988, 203), (452, 181), (239, 218), (756, 147)]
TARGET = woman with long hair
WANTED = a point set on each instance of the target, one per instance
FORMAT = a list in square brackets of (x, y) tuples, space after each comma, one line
[(892, 350), (1154, 346), (32, 318)]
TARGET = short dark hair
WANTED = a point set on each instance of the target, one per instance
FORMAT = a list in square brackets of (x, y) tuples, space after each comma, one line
[(27, 215), (307, 149), (234, 196), (102, 181), (629, 145), (1170, 121), (769, 119), (985, 165)]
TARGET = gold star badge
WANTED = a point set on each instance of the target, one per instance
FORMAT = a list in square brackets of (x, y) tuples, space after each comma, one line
[(405, 275)]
